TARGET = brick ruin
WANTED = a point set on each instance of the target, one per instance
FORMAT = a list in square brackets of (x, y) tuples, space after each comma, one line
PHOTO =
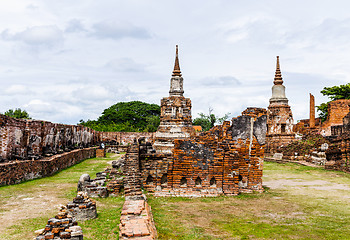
[(17, 171), (279, 116), (224, 160), (337, 110), (34, 139), (338, 154)]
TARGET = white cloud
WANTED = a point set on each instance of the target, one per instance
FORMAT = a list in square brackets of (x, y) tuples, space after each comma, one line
[(67, 61), (75, 25), (48, 36), (118, 30), (16, 89)]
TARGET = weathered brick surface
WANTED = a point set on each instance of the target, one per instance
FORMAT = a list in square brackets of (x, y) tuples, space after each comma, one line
[(175, 123), (33, 139), (337, 110), (225, 160), (17, 171), (136, 221), (279, 127), (100, 152), (124, 138), (132, 184), (62, 226), (338, 154)]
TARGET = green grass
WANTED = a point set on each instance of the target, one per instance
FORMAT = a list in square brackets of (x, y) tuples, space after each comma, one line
[(106, 225), (54, 190), (284, 212), (297, 209)]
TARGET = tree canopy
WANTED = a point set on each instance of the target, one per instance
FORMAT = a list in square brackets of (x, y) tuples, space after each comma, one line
[(135, 116), (207, 121), (334, 93), (17, 113)]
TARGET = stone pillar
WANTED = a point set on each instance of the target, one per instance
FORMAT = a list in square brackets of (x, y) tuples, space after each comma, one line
[(312, 111)]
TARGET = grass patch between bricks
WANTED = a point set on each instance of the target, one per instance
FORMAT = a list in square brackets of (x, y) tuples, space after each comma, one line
[(27, 206)]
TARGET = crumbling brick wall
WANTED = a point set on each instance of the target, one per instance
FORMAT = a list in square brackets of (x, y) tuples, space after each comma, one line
[(34, 139), (225, 160), (337, 110), (123, 138), (18, 171), (338, 154)]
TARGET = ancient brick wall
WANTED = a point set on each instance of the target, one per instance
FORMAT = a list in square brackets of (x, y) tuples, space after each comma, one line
[(338, 154), (34, 139), (225, 160), (18, 171), (125, 137), (337, 110)]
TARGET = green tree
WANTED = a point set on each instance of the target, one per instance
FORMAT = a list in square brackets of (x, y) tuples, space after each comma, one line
[(207, 121), (334, 93), (135, 116), (17, 113)]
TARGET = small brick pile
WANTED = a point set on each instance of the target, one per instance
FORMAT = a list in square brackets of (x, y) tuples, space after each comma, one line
[(136, 221), (82, 207), (62, 226)]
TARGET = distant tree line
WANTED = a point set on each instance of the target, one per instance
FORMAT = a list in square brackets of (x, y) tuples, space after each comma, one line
[(135, 116), (17, 113)]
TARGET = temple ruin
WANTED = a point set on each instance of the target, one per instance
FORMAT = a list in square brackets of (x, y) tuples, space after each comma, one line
[(279, 115), (175, 117), (224, 160)]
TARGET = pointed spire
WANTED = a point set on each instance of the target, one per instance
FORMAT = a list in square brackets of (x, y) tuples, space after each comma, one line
[(177, 71), (278, 75)]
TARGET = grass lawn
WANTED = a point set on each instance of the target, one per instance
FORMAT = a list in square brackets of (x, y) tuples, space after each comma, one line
[(26, 207), (301, 203)]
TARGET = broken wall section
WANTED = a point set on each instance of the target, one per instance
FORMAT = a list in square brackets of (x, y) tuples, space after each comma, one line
[(337, 110), (125, 138), (18, 171), (34, 139), (224, 160), (338, 154)]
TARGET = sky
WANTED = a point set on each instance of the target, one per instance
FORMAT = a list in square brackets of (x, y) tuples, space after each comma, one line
[(63, 61)]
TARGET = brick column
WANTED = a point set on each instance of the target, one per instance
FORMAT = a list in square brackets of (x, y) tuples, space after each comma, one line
[(312, 111)]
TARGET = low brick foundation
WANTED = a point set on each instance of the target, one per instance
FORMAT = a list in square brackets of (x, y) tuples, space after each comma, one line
[(19, 171)]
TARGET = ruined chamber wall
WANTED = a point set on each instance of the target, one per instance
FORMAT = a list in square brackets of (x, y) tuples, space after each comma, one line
[(224, 160), (124, 138), (338, 154), (18, 171), (337, 110), (34, 139)]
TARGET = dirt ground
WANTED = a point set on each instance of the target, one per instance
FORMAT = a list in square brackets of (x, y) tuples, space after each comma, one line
[(44, 201)]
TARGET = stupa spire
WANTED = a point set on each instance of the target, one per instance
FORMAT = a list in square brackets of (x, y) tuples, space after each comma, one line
[(278, 75), (177, 71)]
